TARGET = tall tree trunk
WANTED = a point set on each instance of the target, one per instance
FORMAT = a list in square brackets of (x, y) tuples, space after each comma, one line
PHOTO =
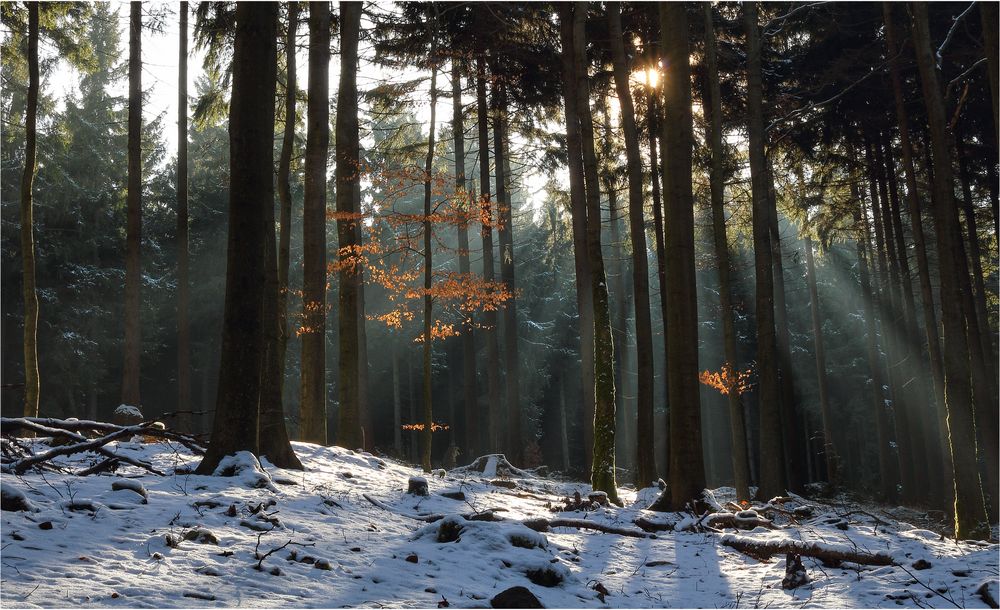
[(887, 476), (578, 209), (791, 429), (645, 464), (602, 471), (514, 442), (934, 358), (772, 476), (31, 379), (183, 277), (713, 111), (462, 194), (646, 437), (970, 513), (251, 143), (489, 267), (285, 186), (347, 172), (397, 407), (133, 230), (312, 405), (425, 447), (988, 12), (687, 470), (830, 454)]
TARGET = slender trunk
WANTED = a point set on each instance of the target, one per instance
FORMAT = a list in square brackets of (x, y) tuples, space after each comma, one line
[(791, 436), (934, 358), (364, 412), (312, 405), (645, 464), (133, 231), (713, 111), (285, 187), (425, 447), (489, 273), (462, 194), (602, 469), (830, 454), (183, 281), (584, 293), (563, 436), (251, 195), (970, 514), (349, 257), (687, 470), (31, 380), (975, 251), (988, 12), (397, 407), (514, 442), (772, 479)]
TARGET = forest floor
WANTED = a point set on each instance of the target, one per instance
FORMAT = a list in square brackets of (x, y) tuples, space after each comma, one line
[(346, 533)]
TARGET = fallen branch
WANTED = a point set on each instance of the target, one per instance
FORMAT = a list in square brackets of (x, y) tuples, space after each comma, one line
[(95, 445), (544, 525), (65, 428), (763, 550)]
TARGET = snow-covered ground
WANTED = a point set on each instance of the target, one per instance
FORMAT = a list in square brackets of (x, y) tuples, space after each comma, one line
[(133, 539)]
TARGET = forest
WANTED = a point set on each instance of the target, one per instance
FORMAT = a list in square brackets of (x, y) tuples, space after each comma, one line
[(700, 279)]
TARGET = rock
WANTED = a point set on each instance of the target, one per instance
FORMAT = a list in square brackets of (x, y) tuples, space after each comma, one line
[(412, 558), (246, 467), (503, 483), (45, 525), (454, 495), (921, 564), (322, 564), (417, 486), (987, 591), (201, 536), (598, 497), (544, 577), (14, 500), (127, 415), (516, 597)]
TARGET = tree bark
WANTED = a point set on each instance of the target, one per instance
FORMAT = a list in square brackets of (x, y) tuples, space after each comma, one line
[(183, 274), (428, 342), (713, 112), (285, 186), (462, 195), (988, 13), (32, 384), (830, 453), (578, 209), (251, 142), (970, 513), (133, 230), (645, 465), (514, 442), (933, 356), (312, 405), (349, 256), (646, 437), (687, 470), (602, 477), (489, 267), (772, 476)]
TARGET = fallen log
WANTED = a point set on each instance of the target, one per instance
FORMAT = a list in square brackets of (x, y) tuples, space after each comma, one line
[(763, 550), (72, 428), (544, 525), (95, 445)]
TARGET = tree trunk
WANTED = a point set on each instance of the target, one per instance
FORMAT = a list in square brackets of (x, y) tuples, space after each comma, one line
[(830, 454), (285, 186), (602, 469), (645, 464), (772, 477), (791, 435), (578, 209), (183, 280), (462, 194), (514, 442), (563, 436), (934, 358), (988, 13), (425, 447), (251, 143), (348, 179), (713, 112), (687, 471), (646, 437), (312, 405), (489, 273), (31, 379), (133, 230), (970, 514), (397, 407)]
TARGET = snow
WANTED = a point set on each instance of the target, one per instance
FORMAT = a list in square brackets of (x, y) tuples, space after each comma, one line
[(355, 538), (128, 411)]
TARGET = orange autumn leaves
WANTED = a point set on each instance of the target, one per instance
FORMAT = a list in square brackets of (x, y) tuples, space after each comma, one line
[(727, 380), (435, 427)]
